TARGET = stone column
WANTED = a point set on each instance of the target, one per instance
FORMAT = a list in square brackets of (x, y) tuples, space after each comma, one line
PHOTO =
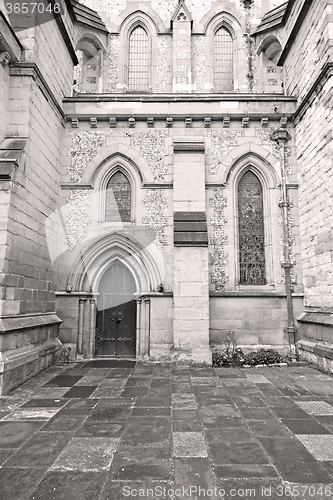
[(82, 301), (92, 327), (191, 289), (138, 327), (147, 328)]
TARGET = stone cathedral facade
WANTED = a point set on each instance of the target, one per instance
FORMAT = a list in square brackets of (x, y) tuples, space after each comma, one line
[(166, 181)]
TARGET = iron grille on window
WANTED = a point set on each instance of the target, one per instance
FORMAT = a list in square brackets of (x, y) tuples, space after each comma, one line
[(118, 199), (251, 231), (223, 61), (138, 60)]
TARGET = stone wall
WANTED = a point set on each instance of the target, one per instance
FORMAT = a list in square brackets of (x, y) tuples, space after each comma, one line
[(4, 90), (311, 51), (30, 279), (254, 320), (30, 327)]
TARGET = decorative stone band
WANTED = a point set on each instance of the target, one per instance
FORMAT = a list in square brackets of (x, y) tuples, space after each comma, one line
[(190, 229), (219, 258)]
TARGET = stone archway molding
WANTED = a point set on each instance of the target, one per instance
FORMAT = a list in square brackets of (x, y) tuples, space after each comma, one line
[(133, 246)]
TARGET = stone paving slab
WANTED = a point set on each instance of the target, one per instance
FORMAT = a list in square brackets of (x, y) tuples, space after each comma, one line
[(316, 407), (189, 444), (109, 429), (87, 454)]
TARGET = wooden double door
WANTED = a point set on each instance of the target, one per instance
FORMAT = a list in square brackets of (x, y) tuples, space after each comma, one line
[(116, 313)]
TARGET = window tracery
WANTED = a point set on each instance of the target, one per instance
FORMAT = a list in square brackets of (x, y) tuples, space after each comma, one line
[(118, 198), (223, 61), (138, 60), (251, 231)]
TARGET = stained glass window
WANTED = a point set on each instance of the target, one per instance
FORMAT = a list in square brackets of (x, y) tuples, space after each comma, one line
[(118, 199), (223, 61), (251, 231), (138, 60)]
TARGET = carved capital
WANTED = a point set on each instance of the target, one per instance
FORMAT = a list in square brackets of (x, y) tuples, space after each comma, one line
[(264, 122), (280, 135), (75, 123), (245, 122), (283, 122), (93, 122), (207, 121), (247, 3), (188, 122), (4, 58), (131, 122), (113, 121), (226, 121)]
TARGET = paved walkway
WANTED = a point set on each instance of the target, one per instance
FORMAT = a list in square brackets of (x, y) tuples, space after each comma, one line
[(110, 430)]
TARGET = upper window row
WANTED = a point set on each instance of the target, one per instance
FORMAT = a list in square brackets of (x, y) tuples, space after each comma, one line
[(139, 60)]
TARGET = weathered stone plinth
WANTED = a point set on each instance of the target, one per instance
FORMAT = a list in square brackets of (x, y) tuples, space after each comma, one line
[(28, 345)]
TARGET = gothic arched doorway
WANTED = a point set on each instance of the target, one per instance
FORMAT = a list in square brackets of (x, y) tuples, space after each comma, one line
[(116, 312)]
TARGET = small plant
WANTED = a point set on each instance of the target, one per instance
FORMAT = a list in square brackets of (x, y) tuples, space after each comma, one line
[(231, 355), (263, 357), (221, 358)]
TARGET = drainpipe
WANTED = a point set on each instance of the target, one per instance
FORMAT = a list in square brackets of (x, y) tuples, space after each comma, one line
[(281, 136)]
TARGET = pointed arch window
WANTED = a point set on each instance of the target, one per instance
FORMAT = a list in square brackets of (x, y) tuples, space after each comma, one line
[(223, 61), (138, 63), (118, 199), (251, 231)]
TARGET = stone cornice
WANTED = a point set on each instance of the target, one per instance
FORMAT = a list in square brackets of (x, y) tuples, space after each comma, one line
[(32, 70), (179, 98), (9, 40), (64, 32), (325, 74)]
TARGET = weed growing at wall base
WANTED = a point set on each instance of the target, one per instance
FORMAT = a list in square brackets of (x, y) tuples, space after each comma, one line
[(229, 355)]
